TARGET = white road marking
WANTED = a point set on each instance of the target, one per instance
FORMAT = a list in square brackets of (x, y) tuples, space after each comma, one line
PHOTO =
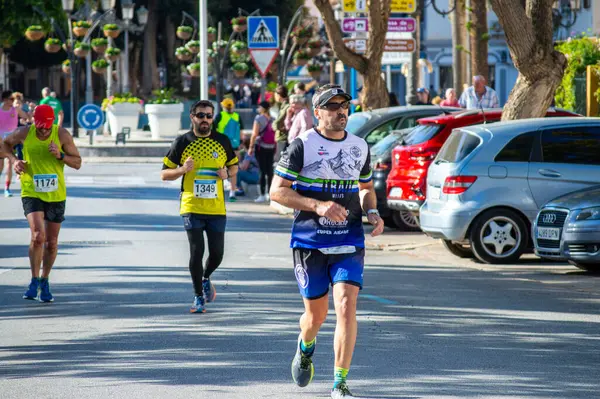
[(6, 270), (80, 180), (131, 180)]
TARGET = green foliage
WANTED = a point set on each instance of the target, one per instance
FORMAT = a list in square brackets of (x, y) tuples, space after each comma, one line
[(120, 98), (185, 28), (101, 41), (113, 51), (110, 27), (234, 58), (302, 32), (66, 63), (82, 45), (182, 51), (302, 55), (194, 66), (239, 45), (211, 30), (580, 52), (315, 43), (82, 24), (192, 43), (52, 40), (35, 28), (485, 36), (165, 96), (239, 21), (314, 68), (219, 44), (240, 66), (100, 63), (469, 25)]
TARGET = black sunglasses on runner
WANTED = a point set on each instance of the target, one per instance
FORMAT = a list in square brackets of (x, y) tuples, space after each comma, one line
[(201, 115), (336, 106)]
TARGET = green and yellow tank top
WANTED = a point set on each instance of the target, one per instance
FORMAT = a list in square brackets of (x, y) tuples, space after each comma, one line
[(201, 189), (43, 177)]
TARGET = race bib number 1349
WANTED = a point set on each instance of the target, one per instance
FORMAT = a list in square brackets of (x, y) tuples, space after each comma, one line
[(205, 189)]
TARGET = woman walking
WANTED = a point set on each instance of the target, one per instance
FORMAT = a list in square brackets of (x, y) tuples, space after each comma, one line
[(263, 145)]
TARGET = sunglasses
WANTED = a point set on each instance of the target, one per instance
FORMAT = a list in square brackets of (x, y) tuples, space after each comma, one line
[(201, 115), (336, 106)]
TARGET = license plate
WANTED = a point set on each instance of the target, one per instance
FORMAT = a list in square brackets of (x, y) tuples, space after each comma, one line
[(396, 192), (548, 233), (434, 193)]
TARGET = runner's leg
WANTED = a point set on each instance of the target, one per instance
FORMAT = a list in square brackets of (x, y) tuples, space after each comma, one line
[(216, 249), (315, 313), (38, 239), (196, 240), (8, 174), (50, 247), (270, 154), (345, 298)]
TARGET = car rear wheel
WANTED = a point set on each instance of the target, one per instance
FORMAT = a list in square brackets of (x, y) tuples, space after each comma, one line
[(460, 250), (499, 236), (405, 221), (589, 267)]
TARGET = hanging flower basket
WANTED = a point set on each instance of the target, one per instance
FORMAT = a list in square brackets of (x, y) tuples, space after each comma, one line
[(211, 34), (111, 30), (184, 32), (220, 46), (66, 67), (183, 54), (100, 45), (240, 69), (34, 33), (81, 49), (301, 35), (193, 46), (81, 28), (112, 53), (314, 70), (194, 69), (99, 66), (240, 24), (52, 45), (314, 47), (301, 58), (239, 48)]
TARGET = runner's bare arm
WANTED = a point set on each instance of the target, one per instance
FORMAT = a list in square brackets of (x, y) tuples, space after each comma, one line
[(176, 173), (368, 200), (23, 115), (13, 139), (232, 171), (72, 157)]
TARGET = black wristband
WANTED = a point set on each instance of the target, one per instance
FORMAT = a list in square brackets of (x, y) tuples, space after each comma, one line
[(62, 156)]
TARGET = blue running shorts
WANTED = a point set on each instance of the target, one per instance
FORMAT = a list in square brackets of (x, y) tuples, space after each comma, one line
[(315, 271)]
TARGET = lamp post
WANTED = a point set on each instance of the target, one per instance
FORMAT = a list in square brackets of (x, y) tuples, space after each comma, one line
[(68, 6), (127, 11)]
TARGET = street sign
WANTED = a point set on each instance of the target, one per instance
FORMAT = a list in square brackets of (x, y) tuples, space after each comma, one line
[(360, 24), (404, 6), (263, 32), (90, 117), (355, 5), (263, 59), (359, 46), (395, 58)]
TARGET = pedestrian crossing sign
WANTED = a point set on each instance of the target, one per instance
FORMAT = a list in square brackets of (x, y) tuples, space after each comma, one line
[(263, 32)]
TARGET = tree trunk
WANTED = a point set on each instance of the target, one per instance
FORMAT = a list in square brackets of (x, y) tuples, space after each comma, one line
[(150, 79), (529, 37), (135, 70), (374, 93), (461, 17), (479, 39), (457, 56), (173, 67)]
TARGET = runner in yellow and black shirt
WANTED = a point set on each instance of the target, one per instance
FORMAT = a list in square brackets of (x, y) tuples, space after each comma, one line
[(204, 159)]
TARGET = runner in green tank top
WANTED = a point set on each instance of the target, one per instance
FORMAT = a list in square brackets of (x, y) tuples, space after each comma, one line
[(47, 149)]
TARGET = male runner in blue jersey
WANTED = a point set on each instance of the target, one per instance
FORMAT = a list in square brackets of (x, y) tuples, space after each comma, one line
[(326, 176)]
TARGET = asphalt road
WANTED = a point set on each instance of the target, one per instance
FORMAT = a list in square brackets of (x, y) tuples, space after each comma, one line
[(430, 325)]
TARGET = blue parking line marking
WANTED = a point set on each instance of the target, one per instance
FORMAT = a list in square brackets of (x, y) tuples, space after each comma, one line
[(380, 299)]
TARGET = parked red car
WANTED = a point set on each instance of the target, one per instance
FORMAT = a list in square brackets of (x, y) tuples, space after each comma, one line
[(410, 160)]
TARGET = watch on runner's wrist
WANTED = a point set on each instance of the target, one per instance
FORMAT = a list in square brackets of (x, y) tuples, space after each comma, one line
[(373, 212), (62, 156)]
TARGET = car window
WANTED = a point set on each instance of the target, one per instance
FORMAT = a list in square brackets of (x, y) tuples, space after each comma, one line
[(458, 146), (518, 149), (356, 121), (422, 133), (407, 122), (572, 146), (385, 145), (380, 132)]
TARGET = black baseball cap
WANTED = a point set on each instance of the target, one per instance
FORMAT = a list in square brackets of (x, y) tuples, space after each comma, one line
[(7, 94), (323, 98)]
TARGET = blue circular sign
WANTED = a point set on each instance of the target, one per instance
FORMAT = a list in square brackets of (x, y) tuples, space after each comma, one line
[(90, 117)]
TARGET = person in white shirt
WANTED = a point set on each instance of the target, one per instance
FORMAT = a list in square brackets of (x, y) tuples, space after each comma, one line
[(479, 95)]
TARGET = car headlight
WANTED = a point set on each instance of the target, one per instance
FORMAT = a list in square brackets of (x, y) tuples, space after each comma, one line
[(589, 214)]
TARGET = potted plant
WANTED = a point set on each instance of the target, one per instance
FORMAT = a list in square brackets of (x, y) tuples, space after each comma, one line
[(240, 24), (68, 45), (99, 45), (314, 47), (34, 32), (301, 58), (211, 34), (314, 70), (112, 53), (301, 34), (183, 54), (239, 47), (52, 45), (184, 32), (111, 30), (194, 69), (240, 69), (82, 49), (220, 46), (80, 28), (66, 66), (122, 110), (211, 55), (164, 113), (99, 66), (239, 58), (193, 46)]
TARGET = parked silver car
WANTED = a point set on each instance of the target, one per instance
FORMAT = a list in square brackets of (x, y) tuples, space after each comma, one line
[(488, 182), (568, 227)]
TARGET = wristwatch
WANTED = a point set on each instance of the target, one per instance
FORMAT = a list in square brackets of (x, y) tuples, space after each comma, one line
[(62, 156), (373, 212)]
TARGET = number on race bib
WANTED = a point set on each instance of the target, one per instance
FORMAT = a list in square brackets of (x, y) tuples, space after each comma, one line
[(45, 183), (205, 189)]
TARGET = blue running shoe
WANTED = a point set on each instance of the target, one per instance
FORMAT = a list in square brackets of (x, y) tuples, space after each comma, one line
[(7, 193), (198, 306), (33, 290), (210, 293), (45, 294), (303, 369), (341, 391)]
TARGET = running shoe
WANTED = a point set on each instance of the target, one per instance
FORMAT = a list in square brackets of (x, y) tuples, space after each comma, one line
[(210, 293), (341, 391), (45, 295), (239, 192), (198, 305), (303, 369), (33, 290), (232, 199), (7, 193), (261, 198)]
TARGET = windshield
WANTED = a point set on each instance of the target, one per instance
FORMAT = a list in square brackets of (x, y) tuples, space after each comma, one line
[(422, 133), (385, 146), (458, 146), (356, 121)]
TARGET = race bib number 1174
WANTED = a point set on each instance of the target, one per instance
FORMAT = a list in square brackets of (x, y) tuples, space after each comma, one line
[(45, 183)]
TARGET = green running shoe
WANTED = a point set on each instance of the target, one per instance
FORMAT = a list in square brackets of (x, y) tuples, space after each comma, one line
[(303, 369)]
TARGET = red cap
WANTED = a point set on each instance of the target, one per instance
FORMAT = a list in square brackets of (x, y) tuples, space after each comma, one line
[(43, 116)]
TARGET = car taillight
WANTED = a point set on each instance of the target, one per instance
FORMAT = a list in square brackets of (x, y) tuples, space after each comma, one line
[(382, 166), (396, 159), (458, 184), (426, 154)]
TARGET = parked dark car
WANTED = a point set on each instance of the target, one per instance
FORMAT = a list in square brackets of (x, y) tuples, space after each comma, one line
[(377, 124)]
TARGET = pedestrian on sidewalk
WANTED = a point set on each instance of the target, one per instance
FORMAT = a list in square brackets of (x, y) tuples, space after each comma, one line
[(204, 159), (330, 171), (298, 119), (249, 170), (229, 123), (47, 148), (281, 133), (262, 143), (59, 115), (451, 100), (479, 95), (9, 121)]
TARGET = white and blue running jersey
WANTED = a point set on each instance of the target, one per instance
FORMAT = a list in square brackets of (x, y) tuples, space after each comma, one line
[(327, 170)]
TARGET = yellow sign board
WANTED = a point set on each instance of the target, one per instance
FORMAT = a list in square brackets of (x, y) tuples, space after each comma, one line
[(398, 6)]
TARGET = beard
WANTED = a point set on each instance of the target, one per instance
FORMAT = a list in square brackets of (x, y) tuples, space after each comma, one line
[(202, 128), (339, 123)]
